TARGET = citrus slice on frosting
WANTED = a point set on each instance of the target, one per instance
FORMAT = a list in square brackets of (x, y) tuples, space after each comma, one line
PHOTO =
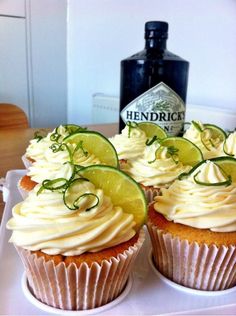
[(216, 131), (228, 164), (96, 144), (188, 153), (152, 129), (121, 188)]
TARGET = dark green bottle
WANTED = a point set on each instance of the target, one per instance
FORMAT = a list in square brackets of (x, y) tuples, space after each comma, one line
[(153, 84)]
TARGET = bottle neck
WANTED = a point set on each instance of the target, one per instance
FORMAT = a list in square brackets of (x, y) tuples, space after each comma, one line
[(155, 43)]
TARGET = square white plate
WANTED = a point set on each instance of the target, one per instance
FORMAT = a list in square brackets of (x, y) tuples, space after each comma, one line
[(150, 294)]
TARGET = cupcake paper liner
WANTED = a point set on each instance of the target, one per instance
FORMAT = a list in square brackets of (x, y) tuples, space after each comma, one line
[(150, 193), (78, 288), (27, 163), (193, 265)]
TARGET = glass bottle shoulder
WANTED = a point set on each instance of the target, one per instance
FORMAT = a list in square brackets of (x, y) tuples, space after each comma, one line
[(152, 54)]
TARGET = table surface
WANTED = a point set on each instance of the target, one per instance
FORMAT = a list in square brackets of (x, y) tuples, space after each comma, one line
[(13, 143)]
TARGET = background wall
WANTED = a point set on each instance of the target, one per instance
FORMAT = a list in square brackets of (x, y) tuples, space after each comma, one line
[(33, 59), (102, 32)]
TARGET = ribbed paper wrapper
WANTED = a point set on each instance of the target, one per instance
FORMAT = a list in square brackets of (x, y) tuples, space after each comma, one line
[(150, 193), (193, 265), (79, 288)]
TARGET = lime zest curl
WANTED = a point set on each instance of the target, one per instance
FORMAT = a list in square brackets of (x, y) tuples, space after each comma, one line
[(62, 186), (38, 136), (53, 185), (197, 126), (56, 147), (130, 126), (172, 151), (69, 128), (227, 182), (215, 184), (154, 139)]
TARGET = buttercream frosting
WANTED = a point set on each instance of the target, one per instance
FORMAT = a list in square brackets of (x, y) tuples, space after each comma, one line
[(214, 145), (130, 143), (43, 222), (155, 167), (230, 144), (57, 164), (37, 148), (201, 206)]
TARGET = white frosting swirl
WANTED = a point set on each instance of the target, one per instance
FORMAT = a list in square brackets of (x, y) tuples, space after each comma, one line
[(130, 143), (43, 222), (56, 164), (200, 206), (214, 145), (230, 144), (154, 169), (37, 148)]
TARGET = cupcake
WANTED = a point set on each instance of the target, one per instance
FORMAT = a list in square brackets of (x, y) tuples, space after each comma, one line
[(77, 245), (161, 163), (61, 158), (208, 137), (192, 226), (39, 144)]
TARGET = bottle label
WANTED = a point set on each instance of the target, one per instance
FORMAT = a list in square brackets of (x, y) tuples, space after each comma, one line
[(160, 105)]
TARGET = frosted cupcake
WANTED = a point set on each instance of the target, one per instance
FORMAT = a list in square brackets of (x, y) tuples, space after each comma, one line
[(60, 159), (39, 144), (208, 137), (161, 163), (77, 244), (193, 227)]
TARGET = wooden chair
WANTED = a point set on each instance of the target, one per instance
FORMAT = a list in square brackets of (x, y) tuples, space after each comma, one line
[(12, 116)]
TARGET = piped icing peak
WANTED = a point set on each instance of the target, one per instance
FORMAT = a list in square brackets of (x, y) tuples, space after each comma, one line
[(130, 143), (205, 199)]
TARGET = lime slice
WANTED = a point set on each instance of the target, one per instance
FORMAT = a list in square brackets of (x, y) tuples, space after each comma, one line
[(188, 153), (152, 129), (73, 128), (216, 131), (228, 164), (121, 188), (97, 144)]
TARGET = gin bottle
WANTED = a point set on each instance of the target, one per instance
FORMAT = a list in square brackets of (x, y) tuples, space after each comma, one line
[(153, 83)]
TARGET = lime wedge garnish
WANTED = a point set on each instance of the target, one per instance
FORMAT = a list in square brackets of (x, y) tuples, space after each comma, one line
[(152, 129), (96, 144), (216, 131), (121, 188), (228, 164), (188, 153)]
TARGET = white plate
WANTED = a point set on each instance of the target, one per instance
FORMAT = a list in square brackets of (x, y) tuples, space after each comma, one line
[(149, 295)]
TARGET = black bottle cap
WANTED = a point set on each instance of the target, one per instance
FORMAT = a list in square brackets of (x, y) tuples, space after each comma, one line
[(156, 29)]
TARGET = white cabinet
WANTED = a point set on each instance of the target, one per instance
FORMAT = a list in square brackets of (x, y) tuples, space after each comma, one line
[(13, 62), (33, 59), (12, 8)]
